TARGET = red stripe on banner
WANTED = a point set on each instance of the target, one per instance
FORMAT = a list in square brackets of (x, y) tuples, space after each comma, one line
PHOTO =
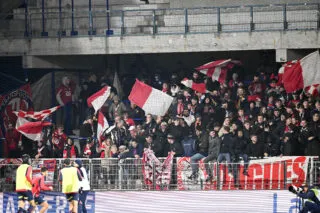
[(292, 77), (201, 87), (210, 71), (96, 95), (140, 93), (45, 111), (223, 75), (213, 64), (33, 127)]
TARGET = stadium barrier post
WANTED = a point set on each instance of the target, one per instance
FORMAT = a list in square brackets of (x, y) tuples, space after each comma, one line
[(109, 32), (153, 176), (186, 27), (154, 22), (122, 23), (26, 25), (284, 174), (251, 19), (91, 30), (73, 32), (219, 27), (285, 22), (43, 33), (218, 175), (61, 32), (318, 14)]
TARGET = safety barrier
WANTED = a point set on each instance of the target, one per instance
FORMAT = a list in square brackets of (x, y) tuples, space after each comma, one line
[(71, 22), (273, 173)]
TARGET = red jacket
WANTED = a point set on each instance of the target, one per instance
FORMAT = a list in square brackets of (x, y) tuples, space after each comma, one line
[(59, 140), (38, 185), (72, 153)]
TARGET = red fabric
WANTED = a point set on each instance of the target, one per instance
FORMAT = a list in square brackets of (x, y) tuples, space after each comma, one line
[(65, 93), (179, 108), (199, 87), (72, 153), (87, 150), (217, 63), (36, 115), (223, 75), (140, 93), (96, 95), (59, 140), (33, 127), (12, 139), (253, 98), (292, 77), (38, 185), (130, 122)]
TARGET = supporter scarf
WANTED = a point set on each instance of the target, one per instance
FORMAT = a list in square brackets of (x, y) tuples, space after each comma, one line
[(151, 164)]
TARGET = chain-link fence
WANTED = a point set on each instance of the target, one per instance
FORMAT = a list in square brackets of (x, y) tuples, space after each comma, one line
[(133, 174)]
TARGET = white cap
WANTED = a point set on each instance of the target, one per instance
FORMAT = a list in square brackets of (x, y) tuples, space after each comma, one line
[(132, 128)]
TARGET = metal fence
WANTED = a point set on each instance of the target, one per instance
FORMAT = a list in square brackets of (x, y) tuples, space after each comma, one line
[(70, 22), (127, 174)]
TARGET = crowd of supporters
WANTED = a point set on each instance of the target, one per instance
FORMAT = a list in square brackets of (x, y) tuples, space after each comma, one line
[(234, 120)]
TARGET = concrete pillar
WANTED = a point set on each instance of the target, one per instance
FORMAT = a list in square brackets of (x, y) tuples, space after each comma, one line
[(284, 55), (281, 55)]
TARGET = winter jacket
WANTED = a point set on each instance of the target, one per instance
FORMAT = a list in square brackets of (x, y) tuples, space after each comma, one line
[(214, 146), (227, 144)]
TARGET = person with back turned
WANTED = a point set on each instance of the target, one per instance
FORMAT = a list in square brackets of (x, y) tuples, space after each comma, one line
[(70, 178), (38, 186), (84, 186), (24, 185)]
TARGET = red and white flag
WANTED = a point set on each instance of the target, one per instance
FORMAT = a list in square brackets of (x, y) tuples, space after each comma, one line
[(217, 70), (99, 98), (33, 130), (39, 116), (151, 100), (199, 87), (102, 125), (313, 90), (20, 121), (303, 73), (280, 74)]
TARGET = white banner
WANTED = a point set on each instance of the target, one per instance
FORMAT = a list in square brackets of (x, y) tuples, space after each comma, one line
[(268, 201), (269, 173)]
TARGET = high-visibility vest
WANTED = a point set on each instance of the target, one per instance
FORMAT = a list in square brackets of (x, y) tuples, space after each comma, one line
[(316, 193), (22, 184), (70, 181)]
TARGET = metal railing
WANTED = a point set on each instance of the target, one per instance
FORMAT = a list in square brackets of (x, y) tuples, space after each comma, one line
[(128, 174), (60, 23)]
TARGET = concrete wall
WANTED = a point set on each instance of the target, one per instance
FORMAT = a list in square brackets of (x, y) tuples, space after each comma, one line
[(162, 44), (223, 3)]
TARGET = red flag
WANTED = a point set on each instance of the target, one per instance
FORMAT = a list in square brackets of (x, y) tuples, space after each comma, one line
[(102, 125), (217, 70), (99, 98), (33, 130), (41, 115), (150, 99), (313, 90), (302, 73), (199, 87)]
